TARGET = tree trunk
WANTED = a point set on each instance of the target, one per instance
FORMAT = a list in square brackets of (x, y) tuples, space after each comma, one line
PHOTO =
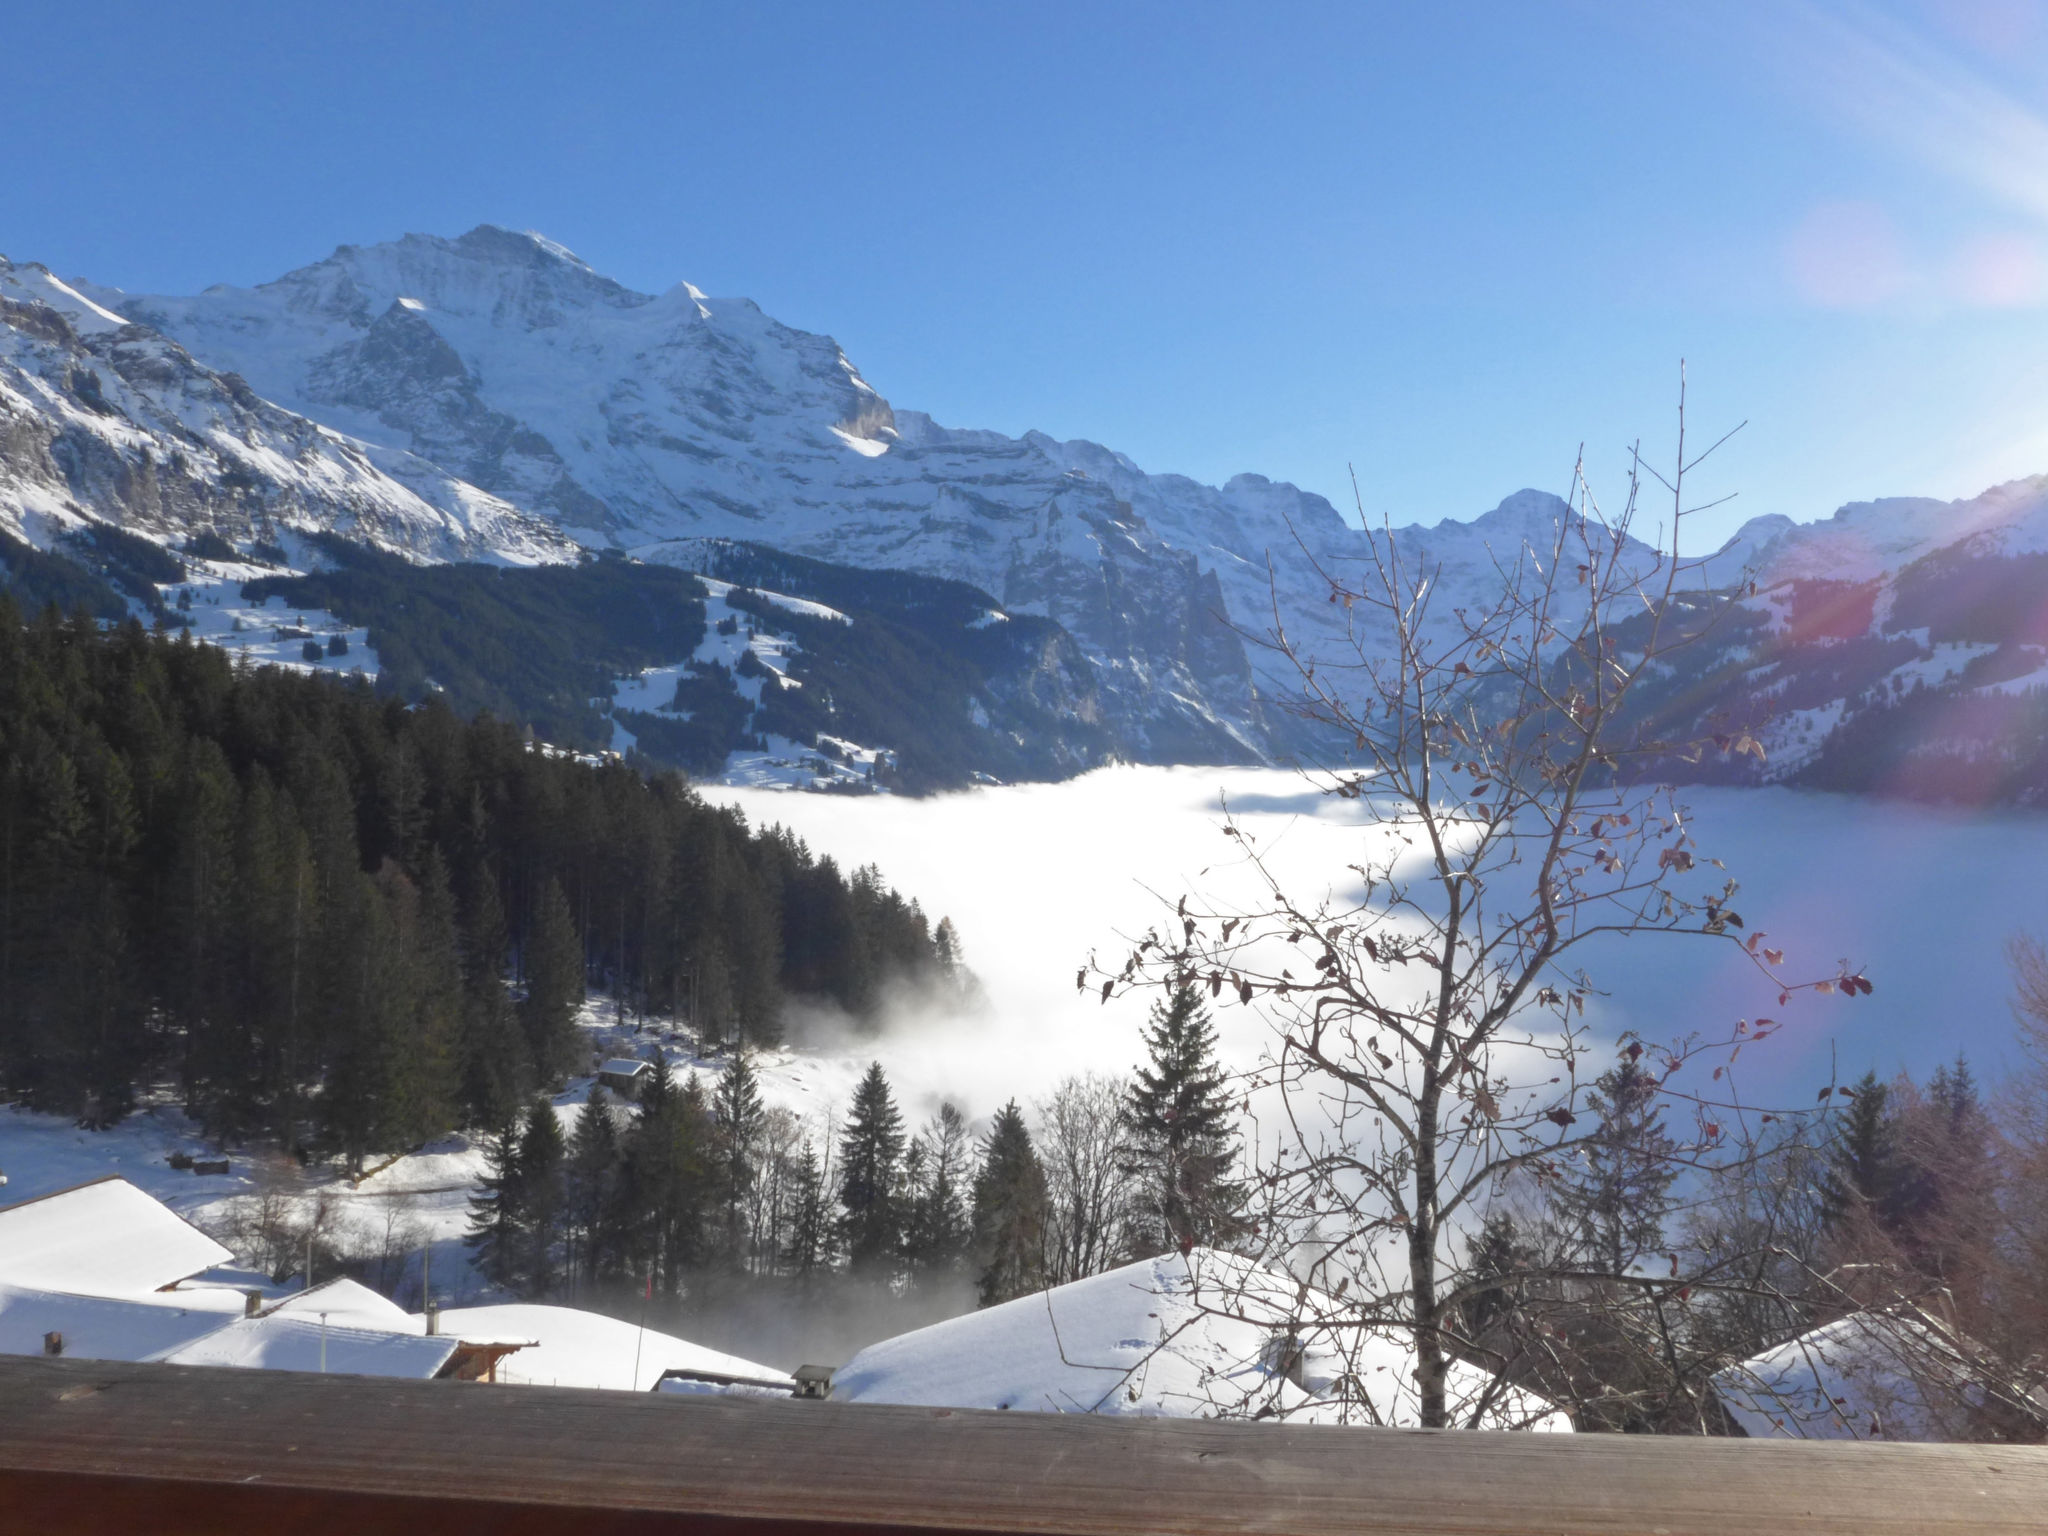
[(1422, 1236)]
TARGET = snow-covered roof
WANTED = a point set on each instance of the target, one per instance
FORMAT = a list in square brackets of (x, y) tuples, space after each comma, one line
[(683, 1386), (294, 1342), (571, 1348), (1202, 1336), (1873, 1375), (623, 1066), (348, 1305), (107, 1327), (105, 1238)]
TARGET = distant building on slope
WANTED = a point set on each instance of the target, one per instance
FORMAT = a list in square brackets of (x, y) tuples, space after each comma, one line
[(1208, 1335)]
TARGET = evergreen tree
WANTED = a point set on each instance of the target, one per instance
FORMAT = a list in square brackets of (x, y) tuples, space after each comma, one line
[(496, 1210), (1951, 1211), (740, 1115), (1866, 1174), (939, 1228), (811, 1247), (1009, 1211), (495, 1060), (1498, 1250), (591, 1193), (554, 984), (1618, 1195), (667, 1174), (870, 1174), (543, 1197), (1182, 1133)]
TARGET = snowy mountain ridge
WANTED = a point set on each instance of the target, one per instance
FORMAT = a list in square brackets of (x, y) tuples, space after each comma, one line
[(492, 396), (101, 419)]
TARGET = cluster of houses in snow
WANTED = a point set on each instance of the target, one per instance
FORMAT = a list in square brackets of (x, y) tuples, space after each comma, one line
[(103, 1271)]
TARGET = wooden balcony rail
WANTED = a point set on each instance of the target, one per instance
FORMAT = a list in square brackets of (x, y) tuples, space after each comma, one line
[(89, 1447)]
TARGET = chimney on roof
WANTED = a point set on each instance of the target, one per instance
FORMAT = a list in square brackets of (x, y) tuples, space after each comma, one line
[(433, 1317), (53, 1343), (252, 1303), (813, 1381)]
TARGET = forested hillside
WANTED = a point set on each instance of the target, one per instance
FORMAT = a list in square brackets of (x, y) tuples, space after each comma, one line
[(350, 923)]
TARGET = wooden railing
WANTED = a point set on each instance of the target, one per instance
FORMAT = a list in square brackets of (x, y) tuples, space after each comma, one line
[(87, 1447)]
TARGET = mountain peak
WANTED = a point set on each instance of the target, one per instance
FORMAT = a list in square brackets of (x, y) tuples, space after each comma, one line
[(527, 245)]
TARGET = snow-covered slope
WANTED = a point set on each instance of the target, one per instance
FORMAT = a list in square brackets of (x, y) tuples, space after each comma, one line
[(104, 420), (1900, 646)]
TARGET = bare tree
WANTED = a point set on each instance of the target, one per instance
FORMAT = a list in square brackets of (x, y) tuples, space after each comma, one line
[(1428, 1040), (1081, 1141)]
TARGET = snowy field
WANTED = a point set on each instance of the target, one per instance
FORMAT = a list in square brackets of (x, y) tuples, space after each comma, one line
[(264, 633)]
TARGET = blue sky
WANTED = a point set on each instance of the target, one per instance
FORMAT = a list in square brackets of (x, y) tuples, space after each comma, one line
[(1444, 245)]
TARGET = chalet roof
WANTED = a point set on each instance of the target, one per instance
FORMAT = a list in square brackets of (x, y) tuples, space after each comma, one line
[(108, 1327), (347, 1304), (1202, 1336), (572, 1348), (624, 1066), (294, 1342), (1884, 1374), (103, 1238)]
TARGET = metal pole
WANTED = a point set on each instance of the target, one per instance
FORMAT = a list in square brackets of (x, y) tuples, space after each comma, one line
[(323, 1343)]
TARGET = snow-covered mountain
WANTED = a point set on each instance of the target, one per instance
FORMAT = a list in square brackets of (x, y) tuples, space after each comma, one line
[(101, 419), (493, 397), (632, 420), (1898, 647)]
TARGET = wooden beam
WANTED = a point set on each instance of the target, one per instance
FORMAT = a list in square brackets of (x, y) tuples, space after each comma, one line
[(88, 1448)]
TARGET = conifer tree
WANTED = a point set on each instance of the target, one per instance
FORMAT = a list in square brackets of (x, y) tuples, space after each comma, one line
[(1183, 1136), (542, 1191), (1009, 1211), (739, 1112), (870, 1175), (939, 1229), (554, 984), (496, 1063), (1618, 1195), (1866, 1174), (591, 1193), (811, 1247), (496, 1214)]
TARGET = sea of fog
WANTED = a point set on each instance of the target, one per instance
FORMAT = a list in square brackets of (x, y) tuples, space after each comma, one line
[(1037, 876)]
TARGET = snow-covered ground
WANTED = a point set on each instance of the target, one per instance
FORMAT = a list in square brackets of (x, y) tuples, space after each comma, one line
[(418, 1199), (266, 633), (781, 764)]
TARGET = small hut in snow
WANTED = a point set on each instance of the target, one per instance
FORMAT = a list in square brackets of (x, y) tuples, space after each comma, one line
[(624, 1076)]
